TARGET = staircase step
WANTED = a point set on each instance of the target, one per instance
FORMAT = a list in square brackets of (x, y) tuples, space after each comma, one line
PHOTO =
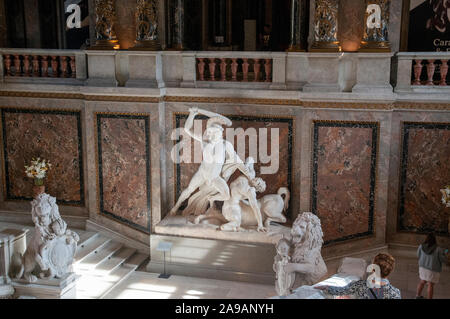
[(95, 259), (136, 260), (85, 237), (111, 264), (92, 245), (121, 273)]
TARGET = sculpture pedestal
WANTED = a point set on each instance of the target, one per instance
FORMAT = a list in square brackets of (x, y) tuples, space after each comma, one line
[(12, 245), (214, 259), (6, 291), (64, 288)]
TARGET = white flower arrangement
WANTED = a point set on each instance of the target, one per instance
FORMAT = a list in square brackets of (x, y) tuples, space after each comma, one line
[(446, 196), (38, 170)]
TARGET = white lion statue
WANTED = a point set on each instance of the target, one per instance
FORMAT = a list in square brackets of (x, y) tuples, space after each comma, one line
[(52, 246), (306, 242)]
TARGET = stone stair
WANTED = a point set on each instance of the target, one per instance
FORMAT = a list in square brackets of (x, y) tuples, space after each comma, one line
[(103, 264)]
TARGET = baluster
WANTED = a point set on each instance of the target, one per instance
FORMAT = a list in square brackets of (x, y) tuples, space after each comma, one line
[(212, 69), (417, 72), (73, 66), (223, 69), (245, 66), (26, 65), (201, 69), (63, 62), (444, 72), (45, 66), (268, 69), (36, 65), (54, 66), (17, 69), (256, 69), (8, 64), (234, 68), (431, 67)]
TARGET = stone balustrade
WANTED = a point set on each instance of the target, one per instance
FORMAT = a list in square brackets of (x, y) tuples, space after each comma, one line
[(423, 71), (18, 64), (234, 69), (298, 71)]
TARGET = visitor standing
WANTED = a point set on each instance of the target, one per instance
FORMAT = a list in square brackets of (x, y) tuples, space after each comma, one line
[(431, 257)]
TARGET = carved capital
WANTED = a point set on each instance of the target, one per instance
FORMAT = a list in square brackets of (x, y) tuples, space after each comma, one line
[(326, 25), (376, 23)]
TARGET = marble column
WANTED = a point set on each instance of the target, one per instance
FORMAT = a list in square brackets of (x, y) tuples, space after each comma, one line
[(176, 11), (147, 26), (326, 26), (376, 24), (105, 20), (295, 44)]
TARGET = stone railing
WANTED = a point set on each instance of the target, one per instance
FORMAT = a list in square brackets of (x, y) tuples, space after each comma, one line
[(298, 71), (423, 71), (234, 69), (23, 65)]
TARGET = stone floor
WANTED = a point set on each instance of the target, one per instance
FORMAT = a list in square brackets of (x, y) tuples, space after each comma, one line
[(406, 277), (141, 285)]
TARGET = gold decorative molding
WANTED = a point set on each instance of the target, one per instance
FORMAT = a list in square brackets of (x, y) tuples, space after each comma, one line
[(439, 106), (198, 99)]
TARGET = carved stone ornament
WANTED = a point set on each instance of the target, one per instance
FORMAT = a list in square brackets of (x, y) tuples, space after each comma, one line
[(147, 25), (241, 208), (304, 258), (52, 248), (326, 26), (105, 19), (376, 22)]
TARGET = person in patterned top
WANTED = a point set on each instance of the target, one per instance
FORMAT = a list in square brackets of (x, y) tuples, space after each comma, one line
[(361, 290)]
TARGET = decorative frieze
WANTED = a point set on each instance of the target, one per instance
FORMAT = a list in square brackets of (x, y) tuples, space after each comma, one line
[(326, 26), (147, 26), (376, 24), (105, 19)]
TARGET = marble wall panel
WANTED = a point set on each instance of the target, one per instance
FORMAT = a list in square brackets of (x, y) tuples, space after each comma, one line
[(51, 134), (282, 178), (344, 178), (123, 159), (425, 169)]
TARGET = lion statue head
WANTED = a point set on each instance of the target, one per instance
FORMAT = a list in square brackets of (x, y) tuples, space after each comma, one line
[(307, 239), (308, 231)]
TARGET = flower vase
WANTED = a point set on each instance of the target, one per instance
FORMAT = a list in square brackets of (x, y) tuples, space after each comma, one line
[(38, 187)]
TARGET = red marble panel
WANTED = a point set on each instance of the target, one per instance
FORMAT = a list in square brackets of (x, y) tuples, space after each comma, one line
[(425, 170), (124, 168), (344, 178), (282, 178), (53, 135)]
